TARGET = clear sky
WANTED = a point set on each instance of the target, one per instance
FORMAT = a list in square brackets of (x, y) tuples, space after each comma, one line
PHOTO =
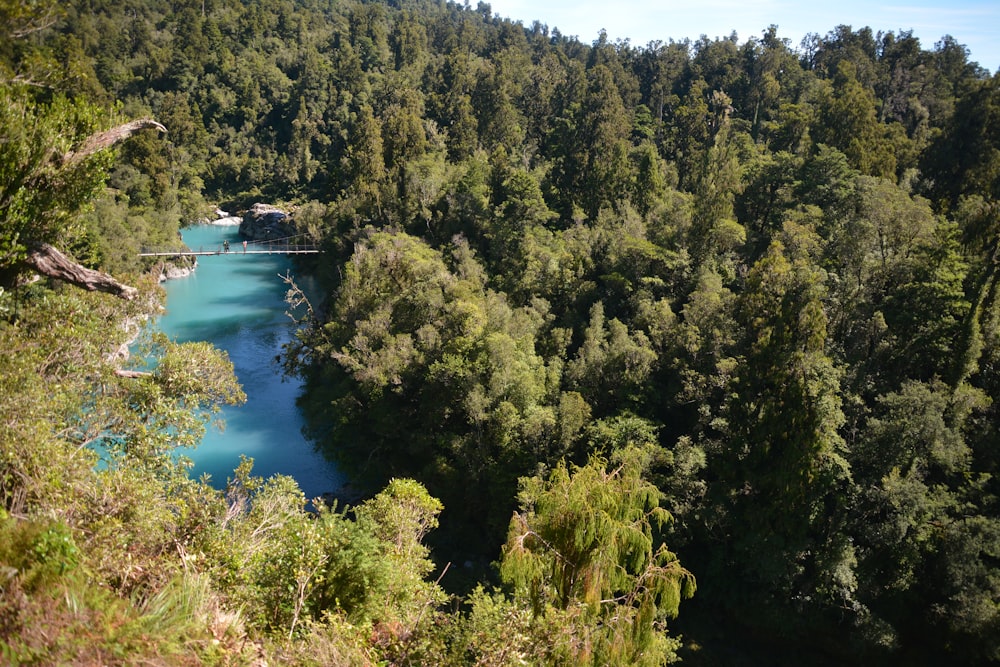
[(974, 23)]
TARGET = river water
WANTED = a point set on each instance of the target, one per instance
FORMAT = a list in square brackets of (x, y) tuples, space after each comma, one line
[(236, 302)]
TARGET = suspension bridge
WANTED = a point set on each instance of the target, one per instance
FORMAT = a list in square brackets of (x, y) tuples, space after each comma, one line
[(288, 245)]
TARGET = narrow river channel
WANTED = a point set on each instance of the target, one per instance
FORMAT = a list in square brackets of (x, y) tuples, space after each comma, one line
[(236, 302)]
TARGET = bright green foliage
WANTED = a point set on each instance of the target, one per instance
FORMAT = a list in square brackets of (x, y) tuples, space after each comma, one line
[(125, 524), (582, 553), (400, 516), (289, 570)]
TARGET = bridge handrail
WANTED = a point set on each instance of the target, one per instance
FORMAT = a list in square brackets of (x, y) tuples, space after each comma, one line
[(260, 247)]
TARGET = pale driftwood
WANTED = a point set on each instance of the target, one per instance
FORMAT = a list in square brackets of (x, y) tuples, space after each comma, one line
[(131, 375), (98, 142), (50, 262)]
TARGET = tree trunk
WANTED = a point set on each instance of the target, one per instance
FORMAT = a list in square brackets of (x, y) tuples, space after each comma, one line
[(50, 262), (98, 142)]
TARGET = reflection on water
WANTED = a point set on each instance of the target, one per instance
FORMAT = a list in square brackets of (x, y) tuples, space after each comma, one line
[(236, 302)]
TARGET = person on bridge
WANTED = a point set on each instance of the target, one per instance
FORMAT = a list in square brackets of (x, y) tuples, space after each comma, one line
[(225, 246), (244, 246)]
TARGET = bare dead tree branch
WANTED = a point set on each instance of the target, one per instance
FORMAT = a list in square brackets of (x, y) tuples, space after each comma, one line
[(33, 26), (98, 142), (131, 375), (48, 261)]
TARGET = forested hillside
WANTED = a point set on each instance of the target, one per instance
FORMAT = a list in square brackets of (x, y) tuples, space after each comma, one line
[(685, 350)]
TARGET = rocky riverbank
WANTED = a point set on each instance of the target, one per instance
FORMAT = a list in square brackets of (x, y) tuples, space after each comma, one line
[(264, 222), (171, 271), (179, 267)]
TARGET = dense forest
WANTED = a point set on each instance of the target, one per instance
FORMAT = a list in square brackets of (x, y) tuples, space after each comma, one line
[(680, 351)]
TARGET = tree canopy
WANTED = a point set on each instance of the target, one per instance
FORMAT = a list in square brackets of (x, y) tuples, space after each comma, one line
[(594, 321)]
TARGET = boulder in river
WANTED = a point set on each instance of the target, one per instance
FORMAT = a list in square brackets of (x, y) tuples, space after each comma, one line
[(264, 222), (179, 268)]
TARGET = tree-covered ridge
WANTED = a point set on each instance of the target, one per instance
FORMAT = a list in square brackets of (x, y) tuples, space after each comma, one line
[(751, 285)]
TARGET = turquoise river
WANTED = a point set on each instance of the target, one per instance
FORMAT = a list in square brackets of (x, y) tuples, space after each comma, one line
[(236, 302)]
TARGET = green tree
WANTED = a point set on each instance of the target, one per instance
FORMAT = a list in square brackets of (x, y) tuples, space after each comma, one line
[(715, 232), (292, 568), (781, 469), (365, 158), (582, 552), (452, 363), (848, 121), (690, 132), (963, 159), (401, 516), (612, 365), (928, 347), (651, 181), (772, 73), (923, 534)]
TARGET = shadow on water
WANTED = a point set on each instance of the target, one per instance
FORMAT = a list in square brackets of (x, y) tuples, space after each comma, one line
[(213, 330), (258, 424), (271, 308), (259, 269)]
